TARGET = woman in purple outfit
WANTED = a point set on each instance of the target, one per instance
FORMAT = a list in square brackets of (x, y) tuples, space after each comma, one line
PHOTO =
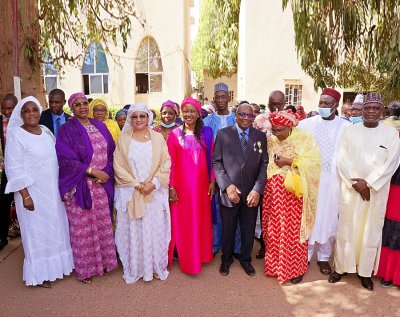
[(86, 180)]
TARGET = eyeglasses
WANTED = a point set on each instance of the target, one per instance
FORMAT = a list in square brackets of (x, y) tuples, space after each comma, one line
[(246, 115), (81, 104), (140, 116)]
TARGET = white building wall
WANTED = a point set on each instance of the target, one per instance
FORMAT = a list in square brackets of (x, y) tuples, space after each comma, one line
[(267, 55)]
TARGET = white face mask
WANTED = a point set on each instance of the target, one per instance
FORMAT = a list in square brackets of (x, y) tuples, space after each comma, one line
[(325, 112)]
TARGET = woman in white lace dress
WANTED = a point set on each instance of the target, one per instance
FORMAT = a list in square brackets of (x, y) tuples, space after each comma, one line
[(142, 167), (32, 171)]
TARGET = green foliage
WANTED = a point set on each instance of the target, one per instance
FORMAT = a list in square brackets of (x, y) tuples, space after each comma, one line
[(349, 43), (81, 22), (217, 41)]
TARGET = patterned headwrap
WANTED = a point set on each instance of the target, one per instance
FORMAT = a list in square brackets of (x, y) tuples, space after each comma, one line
[(121, 112), (284, 118), (169, 104), (73, 98), (373, 97), (191, 101)]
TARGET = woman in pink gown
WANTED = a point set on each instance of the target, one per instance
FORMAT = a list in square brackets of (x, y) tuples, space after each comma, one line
[(192, 185)]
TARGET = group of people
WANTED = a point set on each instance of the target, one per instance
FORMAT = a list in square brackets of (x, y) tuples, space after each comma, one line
[(199, 183)]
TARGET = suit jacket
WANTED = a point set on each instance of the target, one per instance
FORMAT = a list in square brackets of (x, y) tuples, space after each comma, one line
[(248, 170), (47, 120)]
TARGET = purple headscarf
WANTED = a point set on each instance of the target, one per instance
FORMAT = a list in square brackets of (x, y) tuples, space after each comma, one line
[(169, 104), (74, 152), (73, 98)]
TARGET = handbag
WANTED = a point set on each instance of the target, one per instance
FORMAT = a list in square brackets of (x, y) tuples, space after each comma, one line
[(293, 182)]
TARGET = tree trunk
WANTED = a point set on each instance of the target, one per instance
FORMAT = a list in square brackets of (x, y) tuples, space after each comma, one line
[(13, 57)]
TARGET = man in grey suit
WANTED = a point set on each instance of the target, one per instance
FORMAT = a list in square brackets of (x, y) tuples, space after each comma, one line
[(240, 162)]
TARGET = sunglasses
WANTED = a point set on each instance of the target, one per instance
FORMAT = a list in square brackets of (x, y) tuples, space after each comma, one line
[(246, 115), (140, 116)]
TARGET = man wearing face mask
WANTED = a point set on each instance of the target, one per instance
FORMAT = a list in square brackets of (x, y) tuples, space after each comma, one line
[(356, 109), (326, 129)]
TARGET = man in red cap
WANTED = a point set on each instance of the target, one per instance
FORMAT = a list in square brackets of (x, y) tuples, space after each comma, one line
[(326, 129)]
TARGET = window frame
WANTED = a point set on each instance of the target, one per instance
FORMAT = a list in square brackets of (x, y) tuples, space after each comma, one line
[(290, 86), (89, 75)]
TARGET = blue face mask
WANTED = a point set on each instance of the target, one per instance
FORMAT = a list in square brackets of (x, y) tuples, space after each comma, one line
[(356, 119), (324, 112), (167, 126)]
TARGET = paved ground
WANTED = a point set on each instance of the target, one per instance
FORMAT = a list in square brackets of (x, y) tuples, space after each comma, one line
[(207, 294)]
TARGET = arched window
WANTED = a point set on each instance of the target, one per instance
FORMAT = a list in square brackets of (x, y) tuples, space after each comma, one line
[(95, 71), (148, 67), (49, 74)]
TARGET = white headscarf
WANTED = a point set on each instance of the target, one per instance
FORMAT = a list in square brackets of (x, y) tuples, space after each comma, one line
[(135, 108), (16, 118)]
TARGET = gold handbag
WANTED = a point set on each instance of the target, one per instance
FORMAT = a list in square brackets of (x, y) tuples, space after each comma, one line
[(293, 183)]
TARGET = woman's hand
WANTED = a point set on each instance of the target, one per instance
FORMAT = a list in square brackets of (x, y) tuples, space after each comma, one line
[(282, 161), (28, 203), (146, 188), (211, 189), (173, 195), (100, 176)]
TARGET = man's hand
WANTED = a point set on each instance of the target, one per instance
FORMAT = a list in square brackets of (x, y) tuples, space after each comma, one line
[(233, 194), (362, 188), (253, 199)]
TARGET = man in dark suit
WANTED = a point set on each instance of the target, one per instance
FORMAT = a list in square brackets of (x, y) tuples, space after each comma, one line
[(240, 163), (8, 104), (54, 117)]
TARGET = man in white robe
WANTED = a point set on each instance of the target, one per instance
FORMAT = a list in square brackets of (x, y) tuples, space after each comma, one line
[(367, 158), (327, 129)]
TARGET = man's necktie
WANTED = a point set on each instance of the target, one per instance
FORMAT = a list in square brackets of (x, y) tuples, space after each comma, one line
[(58, 124), (243, 141)]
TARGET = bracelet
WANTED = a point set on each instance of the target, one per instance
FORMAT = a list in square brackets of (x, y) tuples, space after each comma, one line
[(26, 198), (89, 171), (171, 187)]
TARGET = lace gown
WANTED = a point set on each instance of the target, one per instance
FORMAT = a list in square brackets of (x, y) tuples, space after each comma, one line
[(142, 244), (31, 162)]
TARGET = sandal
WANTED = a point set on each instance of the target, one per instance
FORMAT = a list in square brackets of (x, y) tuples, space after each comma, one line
[(45, 284), (87, 280)]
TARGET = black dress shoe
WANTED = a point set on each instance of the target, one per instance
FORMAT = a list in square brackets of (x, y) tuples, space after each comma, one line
[(224, 269), (367, 283), (236, 256), (297, 280), (334, 277), (260, 254), (324, 267), (249, 269)]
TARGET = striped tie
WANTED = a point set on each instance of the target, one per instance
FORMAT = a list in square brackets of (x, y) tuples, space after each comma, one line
[(243, 141)]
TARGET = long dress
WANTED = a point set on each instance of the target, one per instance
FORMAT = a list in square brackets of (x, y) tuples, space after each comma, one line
[(191, 215), (31, 163), (373, 156), (92, 238), (287, 221), (142, 243)]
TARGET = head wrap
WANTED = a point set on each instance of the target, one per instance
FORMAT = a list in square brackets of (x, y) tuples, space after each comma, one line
[(331, 92), (284, 117), (373, 97), (301, 115), (209, 108), (94, 103), (16, 117), (221, 87), (73, 98), (169, 104), (121, 112), (135, 108), (191, 101)]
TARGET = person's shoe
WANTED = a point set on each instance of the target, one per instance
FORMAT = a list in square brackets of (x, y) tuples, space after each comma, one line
[(367, 283), (45, 284), (3, 244), (297, 280), (249, 269), (224, 269), (324, 267), (236, 256), (384, 283), (261, 253), (335, 277)]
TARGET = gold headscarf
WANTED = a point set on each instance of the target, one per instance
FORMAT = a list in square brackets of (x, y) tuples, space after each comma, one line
[(112, 126)]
